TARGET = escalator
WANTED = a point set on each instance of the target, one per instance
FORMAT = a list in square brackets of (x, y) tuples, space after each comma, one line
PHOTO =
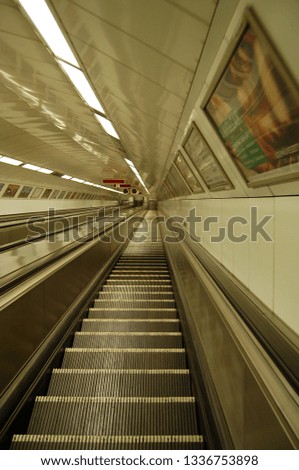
[(124, 384)]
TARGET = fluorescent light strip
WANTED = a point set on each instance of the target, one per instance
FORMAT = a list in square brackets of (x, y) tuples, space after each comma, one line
[(10, 161), (108, 189), (41, 16), (28, 166), (45, 171), (107, 125), (77, 180), (88, 183), (132, 166), (82, 85)]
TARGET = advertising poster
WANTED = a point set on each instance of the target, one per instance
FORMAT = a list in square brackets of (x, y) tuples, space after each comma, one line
[(255, 110)]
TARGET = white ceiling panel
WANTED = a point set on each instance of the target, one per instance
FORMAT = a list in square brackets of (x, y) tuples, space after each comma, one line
[(156, 24), (140, 57)]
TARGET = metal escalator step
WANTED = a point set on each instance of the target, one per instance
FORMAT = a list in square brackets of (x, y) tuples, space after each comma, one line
[(139, 282), (124, 358), (142, 257), (127, 340), (130, 325), (141, 266), (150, 264), (79, 442), (151, 288), (131, 295), (113, 415), (121, 383), (135, 303), (142, 313), (132, 269), (137, 276)]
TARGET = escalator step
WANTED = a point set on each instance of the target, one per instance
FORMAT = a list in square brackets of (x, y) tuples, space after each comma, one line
[(129, 325), (122, 383), (135, 303), (71, 442), (132, 313), (136, 295), (156, 277), (124, 358), (152, 288), (153, 264), (125, 340), (138, 282), (113, 415), (130, 270)]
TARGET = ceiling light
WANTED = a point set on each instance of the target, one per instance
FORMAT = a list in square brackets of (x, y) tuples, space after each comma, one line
[(45, 171), (28, 166), (132, 166), (10, 161), (107, 125), (81, 83), (129, 162), (41, 16), (77, 180), (108, 189), (66, 177)]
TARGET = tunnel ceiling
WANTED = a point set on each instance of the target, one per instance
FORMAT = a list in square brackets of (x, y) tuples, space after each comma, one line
[(140, 57)]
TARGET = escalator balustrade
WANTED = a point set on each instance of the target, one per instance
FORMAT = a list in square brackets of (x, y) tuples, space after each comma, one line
[(124, 384)]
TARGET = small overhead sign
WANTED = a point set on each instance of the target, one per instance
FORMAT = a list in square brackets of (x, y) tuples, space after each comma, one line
[(113, 181)]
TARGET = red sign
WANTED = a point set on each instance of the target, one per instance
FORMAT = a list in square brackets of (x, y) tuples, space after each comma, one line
[(125, 185), (112, 181)]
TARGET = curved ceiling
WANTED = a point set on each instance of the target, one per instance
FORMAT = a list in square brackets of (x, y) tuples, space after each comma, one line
[(140, 57)]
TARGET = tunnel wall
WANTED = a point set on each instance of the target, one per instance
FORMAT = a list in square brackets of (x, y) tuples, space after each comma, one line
[(266, 264)]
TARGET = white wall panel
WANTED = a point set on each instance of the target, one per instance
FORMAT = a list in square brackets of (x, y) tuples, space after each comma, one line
[(286, 290), (269, 269), (261, 255)]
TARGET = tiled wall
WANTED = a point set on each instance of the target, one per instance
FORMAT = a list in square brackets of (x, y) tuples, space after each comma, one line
[(269, 269)]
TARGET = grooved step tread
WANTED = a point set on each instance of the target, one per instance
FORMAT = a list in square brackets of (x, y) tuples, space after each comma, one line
[(135, 295), (141, 264), (134, 303), (71, 442), (124, 358), (141, 313), (127, 340), (124, 383), (129, 325), (137, 288), (138, 282), (113, 415), (122, 270), (131, 313), (144, 276)]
